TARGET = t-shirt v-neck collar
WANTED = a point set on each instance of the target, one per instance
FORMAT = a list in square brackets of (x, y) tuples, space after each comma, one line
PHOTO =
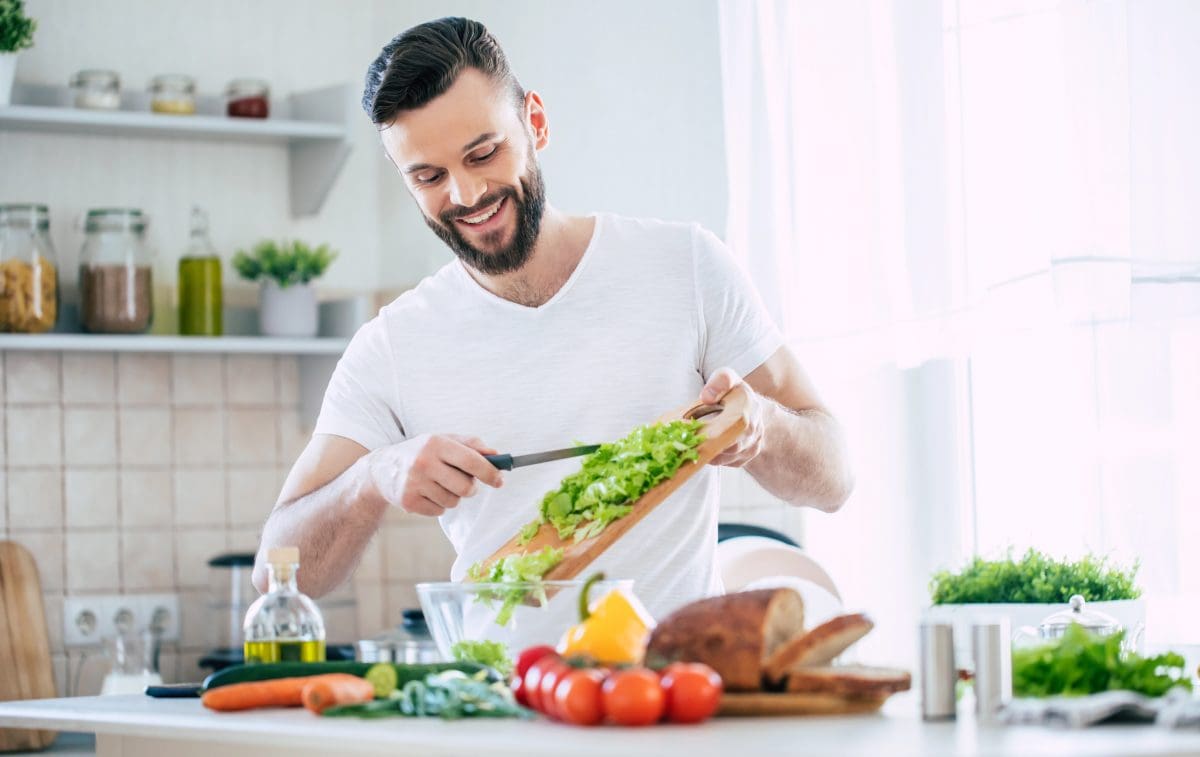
[(516, 307)]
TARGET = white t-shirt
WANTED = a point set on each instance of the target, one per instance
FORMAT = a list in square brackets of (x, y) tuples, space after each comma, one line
[(650, 312)]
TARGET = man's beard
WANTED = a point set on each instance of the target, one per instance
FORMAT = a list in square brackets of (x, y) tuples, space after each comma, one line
[(529, 220)]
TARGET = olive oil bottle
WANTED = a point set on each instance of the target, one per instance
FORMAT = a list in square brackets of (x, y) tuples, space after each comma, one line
[(283, 625)]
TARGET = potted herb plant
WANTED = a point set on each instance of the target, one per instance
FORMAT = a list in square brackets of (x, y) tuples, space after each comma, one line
[(16, 34), (287, 302), (1028, 589)]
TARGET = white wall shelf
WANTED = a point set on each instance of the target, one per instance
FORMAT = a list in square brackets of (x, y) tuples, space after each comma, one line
[(233, 345), (312, 125)]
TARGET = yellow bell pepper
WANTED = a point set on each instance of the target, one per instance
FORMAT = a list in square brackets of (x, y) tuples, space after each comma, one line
[(614, 630)]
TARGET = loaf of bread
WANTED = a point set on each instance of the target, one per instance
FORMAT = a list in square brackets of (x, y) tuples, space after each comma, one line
[(817, 647), (734, 634)]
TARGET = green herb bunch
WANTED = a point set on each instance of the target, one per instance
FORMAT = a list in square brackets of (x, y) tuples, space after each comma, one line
[(1082, 663), (287, 263), (16, 29), (613, 477), (1035, 578)]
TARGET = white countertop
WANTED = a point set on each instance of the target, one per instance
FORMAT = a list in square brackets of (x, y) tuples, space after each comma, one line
[(897, 731)]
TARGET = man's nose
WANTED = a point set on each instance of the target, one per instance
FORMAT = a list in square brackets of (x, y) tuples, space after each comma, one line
[(466, 190)]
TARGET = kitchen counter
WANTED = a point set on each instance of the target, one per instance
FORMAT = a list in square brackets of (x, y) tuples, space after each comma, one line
[(137, 726)]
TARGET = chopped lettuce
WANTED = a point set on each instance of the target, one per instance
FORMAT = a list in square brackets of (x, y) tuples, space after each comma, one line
[(519, 569), (613, 477), (490, 653)]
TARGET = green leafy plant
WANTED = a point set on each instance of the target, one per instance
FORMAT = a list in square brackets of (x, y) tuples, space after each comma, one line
[(16, 29), (613, 477), (525, 571), (1035, 578), (286, 263), (1081, 663), (490, 653)]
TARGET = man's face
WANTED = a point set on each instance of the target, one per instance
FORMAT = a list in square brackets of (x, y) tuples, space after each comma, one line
[(469, 162)]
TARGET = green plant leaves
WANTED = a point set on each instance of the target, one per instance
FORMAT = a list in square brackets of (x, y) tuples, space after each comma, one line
[(1082, 663), (16, 29), (1035, 578), (286, 263)]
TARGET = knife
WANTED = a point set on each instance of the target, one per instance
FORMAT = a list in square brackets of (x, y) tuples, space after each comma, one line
[(508, 462)]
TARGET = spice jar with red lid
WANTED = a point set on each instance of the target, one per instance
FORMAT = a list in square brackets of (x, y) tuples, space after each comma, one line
[(247, 98)]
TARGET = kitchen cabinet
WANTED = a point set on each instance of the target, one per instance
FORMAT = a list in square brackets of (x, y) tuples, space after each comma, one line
[(312, 125), (137, 726)]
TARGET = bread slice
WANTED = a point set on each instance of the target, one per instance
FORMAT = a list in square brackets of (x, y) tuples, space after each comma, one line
[(733, 634), (855, 681), (819, 646)]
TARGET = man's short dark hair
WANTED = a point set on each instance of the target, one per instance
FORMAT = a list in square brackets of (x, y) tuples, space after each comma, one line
[(422, 63)]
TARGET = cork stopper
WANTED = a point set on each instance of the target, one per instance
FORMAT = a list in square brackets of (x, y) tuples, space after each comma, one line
[(283, 555)]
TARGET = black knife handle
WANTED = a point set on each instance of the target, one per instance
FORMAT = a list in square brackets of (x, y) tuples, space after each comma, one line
[(503, 462)]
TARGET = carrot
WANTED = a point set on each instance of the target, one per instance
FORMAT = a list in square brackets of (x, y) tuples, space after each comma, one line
[(323, 692), (280, 692)]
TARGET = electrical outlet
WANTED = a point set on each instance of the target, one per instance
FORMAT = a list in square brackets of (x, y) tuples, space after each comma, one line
[(87, 620)]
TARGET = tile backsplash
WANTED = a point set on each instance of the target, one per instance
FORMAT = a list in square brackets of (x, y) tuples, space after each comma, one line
[(125, 473)]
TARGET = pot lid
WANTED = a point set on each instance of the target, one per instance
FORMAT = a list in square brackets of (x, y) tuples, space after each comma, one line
[(1093, 620)]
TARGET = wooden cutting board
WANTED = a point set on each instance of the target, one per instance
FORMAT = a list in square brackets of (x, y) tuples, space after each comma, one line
[(25, 669), (761, 704), (723, 422)]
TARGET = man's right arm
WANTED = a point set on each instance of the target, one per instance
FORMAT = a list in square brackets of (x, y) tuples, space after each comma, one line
[(338, 492)]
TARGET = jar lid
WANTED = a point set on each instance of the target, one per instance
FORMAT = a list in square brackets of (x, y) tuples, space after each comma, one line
[(1057, 623), (25, 214), (95, 76), (247, 87), (173, 83), (115, 219)]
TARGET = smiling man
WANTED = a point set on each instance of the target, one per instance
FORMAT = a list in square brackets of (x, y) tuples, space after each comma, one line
[(549, 328)]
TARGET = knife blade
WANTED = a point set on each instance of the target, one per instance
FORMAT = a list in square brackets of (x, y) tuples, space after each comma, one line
[(508, 462)]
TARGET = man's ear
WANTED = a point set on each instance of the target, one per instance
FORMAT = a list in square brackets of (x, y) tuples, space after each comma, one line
[(535, 119)]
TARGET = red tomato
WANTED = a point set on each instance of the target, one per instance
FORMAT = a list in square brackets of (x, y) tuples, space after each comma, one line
[(633, 697), (578, 698), (693, 691), (531, 684), (551, 677), (530, 656)]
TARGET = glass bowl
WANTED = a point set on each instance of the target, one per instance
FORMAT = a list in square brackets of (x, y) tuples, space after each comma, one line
[(517, 615)]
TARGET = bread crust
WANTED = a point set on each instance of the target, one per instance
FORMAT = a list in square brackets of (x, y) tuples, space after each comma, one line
[(734, 634), (855, 681), (819, 646)]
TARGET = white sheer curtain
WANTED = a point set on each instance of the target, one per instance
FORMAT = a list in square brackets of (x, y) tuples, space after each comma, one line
[(977, 224)]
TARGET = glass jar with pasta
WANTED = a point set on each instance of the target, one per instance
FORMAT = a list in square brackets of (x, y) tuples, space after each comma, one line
[(28, 270)]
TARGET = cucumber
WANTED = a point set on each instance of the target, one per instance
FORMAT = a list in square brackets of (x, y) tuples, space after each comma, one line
[(267, 671)]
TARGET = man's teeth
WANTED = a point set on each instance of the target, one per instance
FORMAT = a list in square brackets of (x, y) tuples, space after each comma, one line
[(484, 216)]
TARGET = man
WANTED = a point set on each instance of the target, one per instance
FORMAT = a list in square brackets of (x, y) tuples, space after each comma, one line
[(548, 329)]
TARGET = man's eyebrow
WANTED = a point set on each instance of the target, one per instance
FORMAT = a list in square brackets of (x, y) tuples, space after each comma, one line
[(480, 140), (414, 167)]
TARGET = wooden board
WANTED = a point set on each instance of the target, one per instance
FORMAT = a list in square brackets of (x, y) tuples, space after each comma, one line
[(761, 703), (25, 669), (723, 422)]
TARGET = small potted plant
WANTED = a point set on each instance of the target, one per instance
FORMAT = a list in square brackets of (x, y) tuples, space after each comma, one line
[(1028, 589), (16, 34), (287, 303)]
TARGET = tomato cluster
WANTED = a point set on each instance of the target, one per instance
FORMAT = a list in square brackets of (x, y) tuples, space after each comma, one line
[(576, 693)]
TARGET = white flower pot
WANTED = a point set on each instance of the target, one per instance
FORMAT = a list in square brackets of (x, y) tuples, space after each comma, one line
[(8, 71), (1130, 613), (287, 311)]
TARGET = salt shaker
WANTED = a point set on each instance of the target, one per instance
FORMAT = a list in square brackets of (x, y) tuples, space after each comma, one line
[(939, 676), (991, 642)]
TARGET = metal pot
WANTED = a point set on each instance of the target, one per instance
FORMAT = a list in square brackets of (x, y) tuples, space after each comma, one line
[(393, 648)]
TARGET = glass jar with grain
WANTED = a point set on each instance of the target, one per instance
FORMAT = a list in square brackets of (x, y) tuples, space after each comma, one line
[(115, 272), (173, 94), (28, 269)]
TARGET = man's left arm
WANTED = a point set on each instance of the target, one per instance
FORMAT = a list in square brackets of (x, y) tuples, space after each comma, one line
[(792, 445)]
